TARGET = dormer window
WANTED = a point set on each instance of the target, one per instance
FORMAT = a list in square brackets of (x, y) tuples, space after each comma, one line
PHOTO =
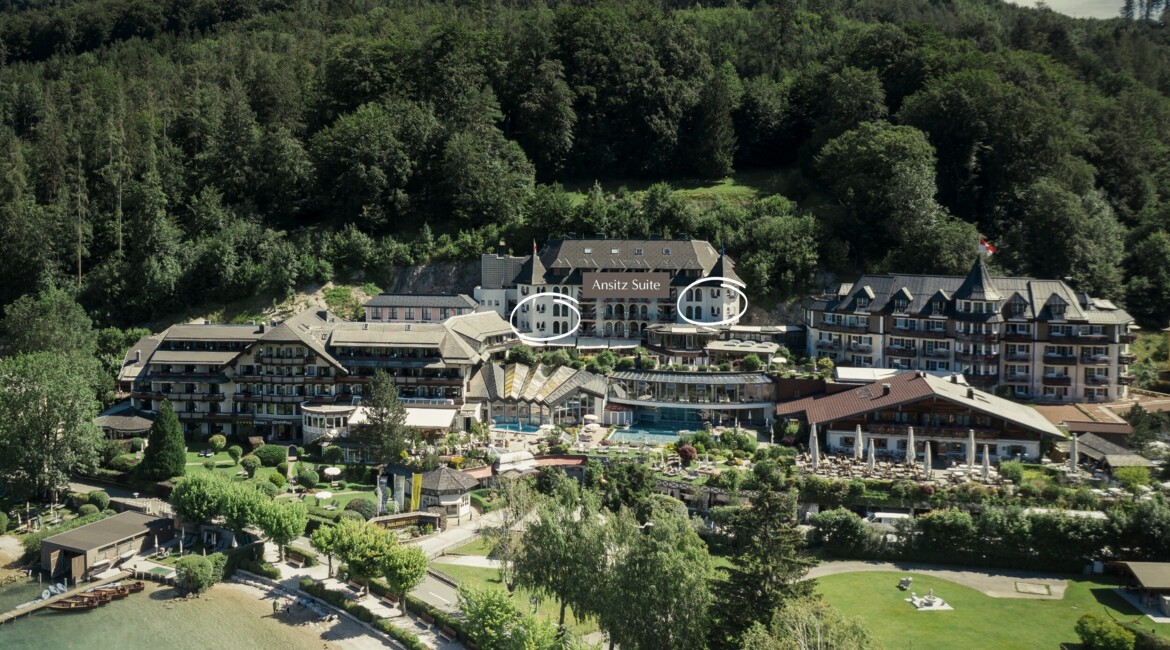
[(614, 251), (901, 304), (863, 302), (666, 251), (588, 251), (637, 251), (1057, 311), (938, 306)]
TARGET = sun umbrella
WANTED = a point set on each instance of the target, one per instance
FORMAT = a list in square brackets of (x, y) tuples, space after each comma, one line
[(857, 450), (911, 454), (1072, 454), (869, 465), (813, 447), (926, 460), (971, 448), (986, 462), (323, 495)]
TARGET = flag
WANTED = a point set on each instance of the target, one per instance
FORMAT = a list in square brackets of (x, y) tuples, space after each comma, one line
[(986, 247)]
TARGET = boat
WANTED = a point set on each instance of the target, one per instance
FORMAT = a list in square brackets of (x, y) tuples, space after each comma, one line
[(136, 587), (115, 593), (70, 605), (46, 594)]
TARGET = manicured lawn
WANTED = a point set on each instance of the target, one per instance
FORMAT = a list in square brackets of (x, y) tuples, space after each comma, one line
[(741, 187), (480, 547), (480, 577), (978, 621)]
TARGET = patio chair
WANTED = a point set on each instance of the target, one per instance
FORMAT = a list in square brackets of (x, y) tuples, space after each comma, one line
[(905, 583)]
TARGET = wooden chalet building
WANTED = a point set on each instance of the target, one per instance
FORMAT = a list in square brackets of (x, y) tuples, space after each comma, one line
[(942, 412)]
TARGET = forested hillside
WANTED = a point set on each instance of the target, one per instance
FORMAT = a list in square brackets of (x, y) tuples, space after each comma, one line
[(160, 153)]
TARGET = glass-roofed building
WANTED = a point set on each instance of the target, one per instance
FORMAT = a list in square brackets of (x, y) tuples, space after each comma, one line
[(691, 399)]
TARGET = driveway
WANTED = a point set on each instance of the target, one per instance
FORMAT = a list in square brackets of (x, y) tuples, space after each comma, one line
[(997, 583)]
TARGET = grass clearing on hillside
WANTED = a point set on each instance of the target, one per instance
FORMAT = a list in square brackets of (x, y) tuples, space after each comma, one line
[(978, 621), (740, 187)]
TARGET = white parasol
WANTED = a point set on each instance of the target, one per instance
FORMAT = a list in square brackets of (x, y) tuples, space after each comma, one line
[(971, 448), (857, 444), (911, 453), (813, 447), (926, 460), (869, 464)]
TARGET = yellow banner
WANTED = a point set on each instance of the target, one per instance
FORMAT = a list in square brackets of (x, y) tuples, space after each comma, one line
[(415, 491)]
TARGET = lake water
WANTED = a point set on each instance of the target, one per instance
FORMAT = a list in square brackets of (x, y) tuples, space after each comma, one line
[(226, 617)]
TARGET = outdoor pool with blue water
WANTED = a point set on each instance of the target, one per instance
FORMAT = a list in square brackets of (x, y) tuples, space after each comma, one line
[(517, 428), (646, 434)]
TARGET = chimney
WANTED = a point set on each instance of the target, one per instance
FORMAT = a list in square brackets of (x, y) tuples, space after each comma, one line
[(262, 326), (138, 356), (922, 374), (970, 393), (885, 389), (954, 379)]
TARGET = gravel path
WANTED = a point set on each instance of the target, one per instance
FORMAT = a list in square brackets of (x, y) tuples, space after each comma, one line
[(997, 583)]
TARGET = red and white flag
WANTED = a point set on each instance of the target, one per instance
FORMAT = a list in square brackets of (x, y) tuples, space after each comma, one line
[(986, 247)]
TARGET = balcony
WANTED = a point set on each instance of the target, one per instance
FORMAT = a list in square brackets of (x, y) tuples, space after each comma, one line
[(981, 381), (976, 358), (937, 353), (847, 329), (1059, 360), (977, 337), (1125, 380), (1017, 356), (1094, 360), (1127, 338), (1017, 378), (1126, 358), (859, 349), (828, 345), (286, 361), (282, 379), (1097, 380), (1017, 337), (1088, 339), (1056, 380), (892, 351)]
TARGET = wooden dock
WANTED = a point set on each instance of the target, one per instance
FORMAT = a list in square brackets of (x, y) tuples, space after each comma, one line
[(41, 604)]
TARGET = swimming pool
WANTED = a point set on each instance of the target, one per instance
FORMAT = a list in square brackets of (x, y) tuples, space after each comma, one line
[(516, 428), (646, 434)]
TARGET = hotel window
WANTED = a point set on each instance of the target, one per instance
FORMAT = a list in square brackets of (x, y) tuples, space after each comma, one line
[(666, 251), (863, 302), (637, 251), (901, 304), (614, 251), (426, 313), (715, 293), (410, 313), (444, 313), (938, 306), (588, 251), (1057, 311), (1060, 330), (1016, 309), (377, 313), (393, 313)]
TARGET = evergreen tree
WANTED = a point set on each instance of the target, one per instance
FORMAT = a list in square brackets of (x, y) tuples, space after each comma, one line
[(166, 453), (717, 142), (384, 437)]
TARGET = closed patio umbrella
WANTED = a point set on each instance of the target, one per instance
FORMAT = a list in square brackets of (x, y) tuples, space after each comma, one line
[(911, 456), (869, 464), (814, 448), (971, 448), (926, 460), (1072, 454), (986, 462), (857, 449)]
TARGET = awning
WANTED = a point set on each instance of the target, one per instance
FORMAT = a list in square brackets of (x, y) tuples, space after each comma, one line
[(430, 418), (1151, 575)]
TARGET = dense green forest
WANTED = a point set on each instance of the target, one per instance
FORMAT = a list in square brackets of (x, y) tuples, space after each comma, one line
[(156, 154)]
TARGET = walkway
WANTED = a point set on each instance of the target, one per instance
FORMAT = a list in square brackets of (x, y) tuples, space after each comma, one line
[(291, 580), (997, 583), (456, 536)]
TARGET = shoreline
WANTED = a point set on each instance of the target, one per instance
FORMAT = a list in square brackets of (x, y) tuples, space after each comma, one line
[(343, 633)]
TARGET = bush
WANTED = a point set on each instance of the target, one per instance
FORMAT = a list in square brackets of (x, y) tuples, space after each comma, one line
[(307, 478), (281, 468), (217, 442), (236, 452), (1132, 477), (250, 464), (341, 485), (3, 522), (1102, 634), (333, 455), (405, 637), (271, 455), (364, 507), (350, 514), (125, 463), (136, 444), (277, 479), (209, 465), (1012, 471), (267, 487), (87, 510), (261, 569), (99, 499), (195, 573)]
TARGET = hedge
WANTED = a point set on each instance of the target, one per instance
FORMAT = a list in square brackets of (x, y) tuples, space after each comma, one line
[(405, 637), (239, 556), (310, 557), (271, 455), (261, 568)]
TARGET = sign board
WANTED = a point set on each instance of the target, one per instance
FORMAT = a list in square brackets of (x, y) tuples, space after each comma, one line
[(650, 284), (415, 491), (400, 492)]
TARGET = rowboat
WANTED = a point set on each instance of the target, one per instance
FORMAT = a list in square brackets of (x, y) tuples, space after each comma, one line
[(71, 605), (135, 587)]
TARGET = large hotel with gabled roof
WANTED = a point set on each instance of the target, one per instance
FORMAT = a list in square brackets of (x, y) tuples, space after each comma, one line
[(1025, 338)]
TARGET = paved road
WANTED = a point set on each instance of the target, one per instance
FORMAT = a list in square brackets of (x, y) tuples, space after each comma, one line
[(997, 583), (438, 594)]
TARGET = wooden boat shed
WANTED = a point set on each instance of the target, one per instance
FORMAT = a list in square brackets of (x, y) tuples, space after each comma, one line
[(100, 545)]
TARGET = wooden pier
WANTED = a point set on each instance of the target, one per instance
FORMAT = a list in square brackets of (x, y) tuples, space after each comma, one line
[(41, 604)]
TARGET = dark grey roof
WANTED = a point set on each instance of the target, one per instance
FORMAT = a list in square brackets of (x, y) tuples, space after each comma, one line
[(1038, 296), (563, 260), (125, 417), (110, 530), (460, 301), (978, 284), (445, 480)]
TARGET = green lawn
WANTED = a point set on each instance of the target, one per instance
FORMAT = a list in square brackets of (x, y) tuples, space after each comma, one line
[(480, 577), (978, 621), (480, 547), (739, 187)]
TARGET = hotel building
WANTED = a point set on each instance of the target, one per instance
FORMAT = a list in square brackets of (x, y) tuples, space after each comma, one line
[(1021, 337)]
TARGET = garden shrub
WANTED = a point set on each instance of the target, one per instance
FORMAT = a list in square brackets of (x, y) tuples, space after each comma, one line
[(261, 568), (99, 499), (125, 463), (250, 464), (364, 507), (194, 573), (1098, 633), (236, 452), (350, 514), (3, 522), (217, 443), (341, 485), (333, 455), (271, 455), (281, 467), (307, 478), (137, 444), (267, 487), (209, 465), (87, 510), (277, 479), (1012, 471)]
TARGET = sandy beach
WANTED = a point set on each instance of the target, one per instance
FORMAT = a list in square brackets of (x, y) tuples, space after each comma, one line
[(342, 634), (10, 552)]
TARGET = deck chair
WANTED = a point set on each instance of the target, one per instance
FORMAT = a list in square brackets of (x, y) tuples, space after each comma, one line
[(904, 583)]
